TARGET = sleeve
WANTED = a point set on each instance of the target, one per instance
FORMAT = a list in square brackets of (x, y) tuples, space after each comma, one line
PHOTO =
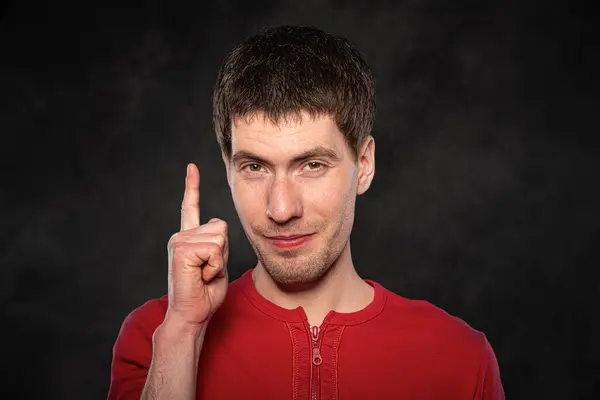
[(132, 354), (490, 383)]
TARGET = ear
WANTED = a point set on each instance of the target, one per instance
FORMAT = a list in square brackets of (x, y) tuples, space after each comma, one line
[(366, 165), (227, 167)]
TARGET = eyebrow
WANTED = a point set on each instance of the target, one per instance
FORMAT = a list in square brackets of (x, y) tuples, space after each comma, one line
[(315, 152)]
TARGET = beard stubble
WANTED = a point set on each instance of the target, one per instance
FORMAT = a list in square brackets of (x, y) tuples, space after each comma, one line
[(306, 265)]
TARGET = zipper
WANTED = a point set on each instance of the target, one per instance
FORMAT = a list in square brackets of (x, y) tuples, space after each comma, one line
[(316, 361)]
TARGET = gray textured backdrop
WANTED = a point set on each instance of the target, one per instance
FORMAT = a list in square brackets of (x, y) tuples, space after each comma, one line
[(484, 199)]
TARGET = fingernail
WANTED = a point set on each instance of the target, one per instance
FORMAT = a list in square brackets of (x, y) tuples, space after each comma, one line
[(187, 171)]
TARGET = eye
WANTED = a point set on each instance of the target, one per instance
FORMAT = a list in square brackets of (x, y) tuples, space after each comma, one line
[(313, 166), (252, 167)]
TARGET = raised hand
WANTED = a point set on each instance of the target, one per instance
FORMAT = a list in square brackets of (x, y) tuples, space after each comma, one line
[(198, 256)]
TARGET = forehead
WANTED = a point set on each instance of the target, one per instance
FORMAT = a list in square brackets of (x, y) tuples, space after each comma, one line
[(289, 135)]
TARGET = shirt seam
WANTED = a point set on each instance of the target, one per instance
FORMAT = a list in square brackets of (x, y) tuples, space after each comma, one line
[(375, 315), (263, 310), (336, 361), (294, 363)]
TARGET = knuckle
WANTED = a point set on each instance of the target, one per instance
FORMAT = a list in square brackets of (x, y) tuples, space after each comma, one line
[(215, 225), (172, 240), (220, 239), (178, 247), (218, 221), (222, 226), (214, 248)]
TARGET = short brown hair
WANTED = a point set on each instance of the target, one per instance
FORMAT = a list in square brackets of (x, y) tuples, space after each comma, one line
[(289, 69)]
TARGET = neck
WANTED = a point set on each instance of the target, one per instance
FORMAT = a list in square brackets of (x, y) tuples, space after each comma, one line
[(341, 289)]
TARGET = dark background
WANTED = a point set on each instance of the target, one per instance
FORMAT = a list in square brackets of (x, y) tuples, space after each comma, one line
[(484, 200)]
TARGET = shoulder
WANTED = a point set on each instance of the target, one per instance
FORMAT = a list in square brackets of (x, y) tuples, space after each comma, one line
[(430, 323), (148, 316), (151, 314), (453, 353), (133, 345)]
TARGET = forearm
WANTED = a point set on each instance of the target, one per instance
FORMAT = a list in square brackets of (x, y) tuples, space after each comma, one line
[(174, 368)]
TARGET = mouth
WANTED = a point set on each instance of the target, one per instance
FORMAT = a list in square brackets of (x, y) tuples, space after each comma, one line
[(289, 242)]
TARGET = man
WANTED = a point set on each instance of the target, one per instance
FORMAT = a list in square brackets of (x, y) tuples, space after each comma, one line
[(293, 112)]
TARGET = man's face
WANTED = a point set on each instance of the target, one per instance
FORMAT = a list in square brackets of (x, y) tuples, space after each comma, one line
[(294, 187)]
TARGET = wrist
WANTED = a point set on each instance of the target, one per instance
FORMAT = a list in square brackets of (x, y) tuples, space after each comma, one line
[(176, 328)]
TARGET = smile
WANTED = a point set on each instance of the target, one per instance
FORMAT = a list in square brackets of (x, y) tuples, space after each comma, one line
[(290, 242)]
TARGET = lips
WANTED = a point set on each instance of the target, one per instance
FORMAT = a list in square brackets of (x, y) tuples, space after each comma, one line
[(292, 237), (290, 242)]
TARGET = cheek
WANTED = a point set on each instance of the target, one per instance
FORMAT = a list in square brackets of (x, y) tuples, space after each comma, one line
[(240, 198), (249, 199), (329, 197)]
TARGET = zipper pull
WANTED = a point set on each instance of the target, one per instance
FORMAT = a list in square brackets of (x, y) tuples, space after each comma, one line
[(314, 330), (316, 353), (316, 356)]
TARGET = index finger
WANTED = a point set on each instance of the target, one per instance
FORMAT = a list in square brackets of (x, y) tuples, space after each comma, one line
[(190, 207)]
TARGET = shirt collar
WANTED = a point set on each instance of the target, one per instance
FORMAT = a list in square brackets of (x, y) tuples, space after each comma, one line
[(298, 314)]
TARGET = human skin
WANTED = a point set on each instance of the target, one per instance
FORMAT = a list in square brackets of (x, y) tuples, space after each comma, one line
[(297, 178), (198, 283), (300, 177)]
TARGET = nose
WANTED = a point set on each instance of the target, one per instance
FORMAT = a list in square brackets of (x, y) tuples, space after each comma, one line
[(284, 202)]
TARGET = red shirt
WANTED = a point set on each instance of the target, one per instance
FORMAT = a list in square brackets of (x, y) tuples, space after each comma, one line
[(395, 348)]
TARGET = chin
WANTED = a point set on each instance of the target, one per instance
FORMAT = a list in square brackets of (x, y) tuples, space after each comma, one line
[(291, 279), (286, 269)]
